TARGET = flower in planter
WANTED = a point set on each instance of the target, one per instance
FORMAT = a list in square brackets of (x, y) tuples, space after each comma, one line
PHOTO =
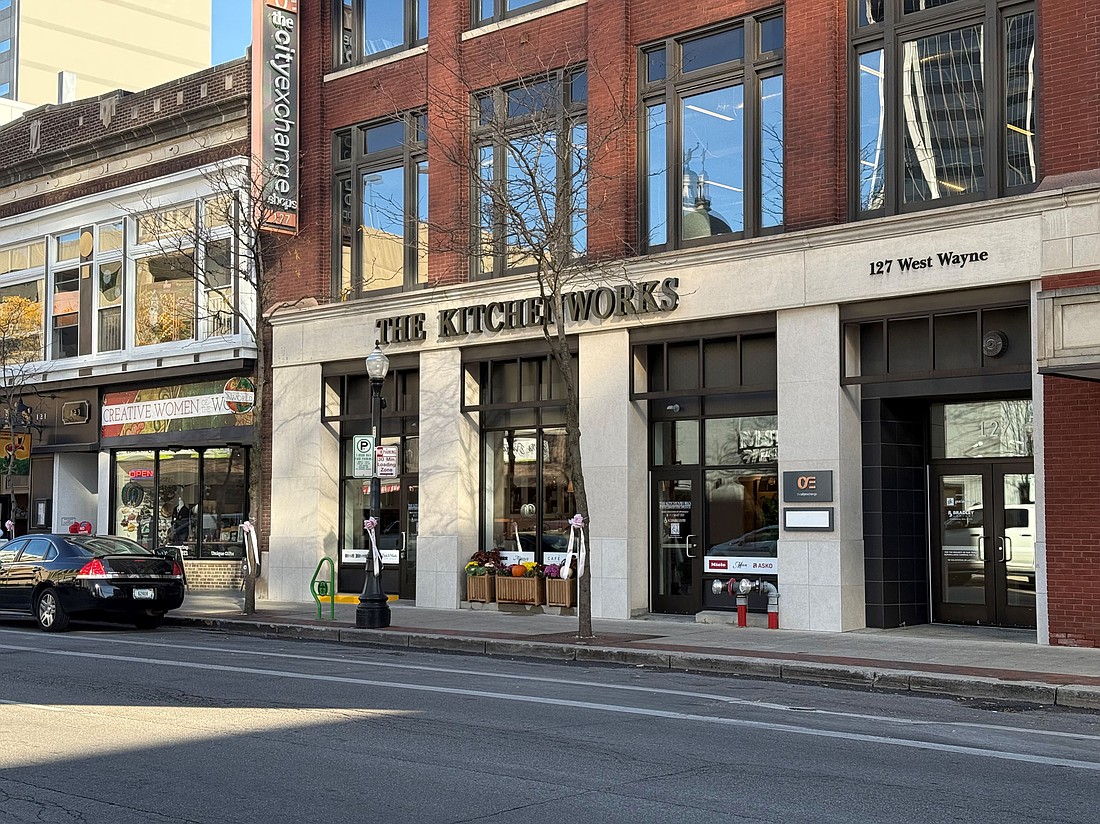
[(555, 570), (527, 569), (485, 562)]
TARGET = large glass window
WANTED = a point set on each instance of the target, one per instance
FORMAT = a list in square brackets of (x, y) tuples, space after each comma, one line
[(946, 104), (193, 500), (21, 319), (364, 29), (531, 181), (381, 189), (718, 122), (486, 11)]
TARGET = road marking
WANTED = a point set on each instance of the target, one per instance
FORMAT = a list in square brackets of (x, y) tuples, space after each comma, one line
[(1092, 766), (745, 702)]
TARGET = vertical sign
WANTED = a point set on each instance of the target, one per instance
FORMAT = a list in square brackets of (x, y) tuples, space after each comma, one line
[(275, 112), (362, 456)]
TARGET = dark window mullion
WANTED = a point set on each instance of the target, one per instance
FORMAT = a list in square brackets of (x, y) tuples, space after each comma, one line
[(750, 139)]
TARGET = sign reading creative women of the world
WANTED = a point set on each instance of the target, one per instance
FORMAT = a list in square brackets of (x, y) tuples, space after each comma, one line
[(275, 111), (179, 408)]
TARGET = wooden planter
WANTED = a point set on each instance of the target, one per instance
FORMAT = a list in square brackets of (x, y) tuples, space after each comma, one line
[(561, 593), (519, 590), (480, 588)]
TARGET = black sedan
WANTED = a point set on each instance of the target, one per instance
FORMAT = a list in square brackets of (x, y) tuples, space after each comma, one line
[(56, 577)]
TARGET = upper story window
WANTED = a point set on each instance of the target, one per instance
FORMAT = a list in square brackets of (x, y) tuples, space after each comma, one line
[(380, 206), (712, 154), (488, 11), (945, 110), (530, 186), (22, 303), (368, 28)]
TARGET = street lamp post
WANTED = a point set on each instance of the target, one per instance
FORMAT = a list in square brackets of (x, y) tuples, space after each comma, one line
[(373, 611)]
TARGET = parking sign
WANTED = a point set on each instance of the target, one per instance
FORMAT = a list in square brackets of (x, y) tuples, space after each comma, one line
[(362, 456)]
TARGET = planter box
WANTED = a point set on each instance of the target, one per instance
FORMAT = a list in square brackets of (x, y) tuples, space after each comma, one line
[(480, 588), (519, 590), (561, 593)]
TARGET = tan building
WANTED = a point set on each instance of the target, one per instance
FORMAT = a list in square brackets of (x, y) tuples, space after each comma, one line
[(102, 45)]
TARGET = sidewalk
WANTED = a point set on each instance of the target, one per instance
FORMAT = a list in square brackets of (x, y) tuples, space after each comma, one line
[(967, 662)]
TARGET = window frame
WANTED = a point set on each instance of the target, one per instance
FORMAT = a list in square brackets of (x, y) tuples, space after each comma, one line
[(889, 35), (497, 136), (749, 71), (411, 21), (409, 155), (501, 11)]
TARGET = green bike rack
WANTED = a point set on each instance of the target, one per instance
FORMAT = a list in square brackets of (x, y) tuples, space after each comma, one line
[(320, 588)]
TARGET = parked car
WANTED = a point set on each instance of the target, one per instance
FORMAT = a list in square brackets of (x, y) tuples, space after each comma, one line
[(762, 542), (56, 577)]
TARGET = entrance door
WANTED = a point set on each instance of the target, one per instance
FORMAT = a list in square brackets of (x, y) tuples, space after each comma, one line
[(398, 524), (983, 543), (677, 562)]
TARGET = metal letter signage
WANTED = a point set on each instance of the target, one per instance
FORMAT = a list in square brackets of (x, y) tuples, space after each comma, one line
[(275, 112), (812, 485)]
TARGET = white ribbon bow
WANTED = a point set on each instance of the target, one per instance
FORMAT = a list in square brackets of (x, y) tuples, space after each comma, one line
[(576, 528), (10, 527), (252, 556), (370, 525)]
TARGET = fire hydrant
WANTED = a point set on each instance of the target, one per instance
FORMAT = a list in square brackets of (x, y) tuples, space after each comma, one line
[(741, 590)]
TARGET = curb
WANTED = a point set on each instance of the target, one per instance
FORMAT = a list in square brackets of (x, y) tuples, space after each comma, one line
[(1073, 696)]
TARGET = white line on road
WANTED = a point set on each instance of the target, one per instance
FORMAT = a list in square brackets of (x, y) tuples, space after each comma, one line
[(764, 705), (1093, 766)]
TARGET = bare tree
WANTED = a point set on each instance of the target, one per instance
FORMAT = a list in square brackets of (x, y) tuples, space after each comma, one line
[(539, 162), (222, 255)]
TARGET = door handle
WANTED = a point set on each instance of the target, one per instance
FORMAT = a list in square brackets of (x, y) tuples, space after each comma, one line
[(1008, 548), (404, 543), (1001, 550), (689, 545), (981, 548)]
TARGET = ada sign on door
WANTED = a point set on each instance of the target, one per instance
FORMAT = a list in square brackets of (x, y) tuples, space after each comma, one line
[(362, 456)]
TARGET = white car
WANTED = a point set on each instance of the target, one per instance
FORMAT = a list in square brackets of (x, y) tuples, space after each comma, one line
[(962, 533)]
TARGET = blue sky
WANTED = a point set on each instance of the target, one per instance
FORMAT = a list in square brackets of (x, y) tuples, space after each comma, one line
[(231, 24)]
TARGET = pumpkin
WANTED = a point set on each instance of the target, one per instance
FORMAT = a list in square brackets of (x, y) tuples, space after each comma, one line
[(518, 570)]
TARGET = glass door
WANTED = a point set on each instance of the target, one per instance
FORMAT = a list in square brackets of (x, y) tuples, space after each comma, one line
[(677, 564), (983, 543)]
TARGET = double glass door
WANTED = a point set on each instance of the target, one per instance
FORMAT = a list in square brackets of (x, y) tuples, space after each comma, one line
[(983, 543)]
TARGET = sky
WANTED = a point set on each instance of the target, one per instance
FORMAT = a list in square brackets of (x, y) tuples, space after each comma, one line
[(231, 24)]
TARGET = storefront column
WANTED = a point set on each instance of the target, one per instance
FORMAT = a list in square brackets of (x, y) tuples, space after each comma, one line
[(821, 574), (305, 484), (449, 483), (613, 449)]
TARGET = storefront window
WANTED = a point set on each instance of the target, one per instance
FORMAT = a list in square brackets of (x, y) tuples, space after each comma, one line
[(194, 500), (528, 497)]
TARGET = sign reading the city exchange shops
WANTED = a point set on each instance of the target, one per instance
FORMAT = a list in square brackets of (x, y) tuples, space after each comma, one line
[(275, 111)]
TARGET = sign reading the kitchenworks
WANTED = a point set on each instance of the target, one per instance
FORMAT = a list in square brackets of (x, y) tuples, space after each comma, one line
[(275, 111), (940, 260), (605, 302)]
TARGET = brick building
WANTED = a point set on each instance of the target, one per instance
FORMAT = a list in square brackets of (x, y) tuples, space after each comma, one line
[(844, 338), (120, 307)]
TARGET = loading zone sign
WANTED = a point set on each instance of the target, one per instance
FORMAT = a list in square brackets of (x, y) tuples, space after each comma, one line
[(362, 456)]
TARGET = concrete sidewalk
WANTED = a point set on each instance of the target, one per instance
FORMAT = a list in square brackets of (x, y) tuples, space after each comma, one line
[(966, 662)]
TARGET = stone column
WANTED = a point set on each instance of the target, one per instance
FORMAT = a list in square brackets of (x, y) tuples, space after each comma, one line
[(821, 574), (449, 482), (305, 484), (613, 446)]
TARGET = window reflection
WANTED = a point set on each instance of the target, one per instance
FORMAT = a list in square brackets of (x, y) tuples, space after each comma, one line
[(771, 151), (1020, 103), (713, 127), (943, 126), (382, 226), (656, 178), (872, 110)]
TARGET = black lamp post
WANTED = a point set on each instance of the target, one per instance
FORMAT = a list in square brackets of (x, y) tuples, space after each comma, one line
[(373, 611)]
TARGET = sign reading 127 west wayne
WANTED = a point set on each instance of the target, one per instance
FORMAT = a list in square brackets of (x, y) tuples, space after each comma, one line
[(275, 112)]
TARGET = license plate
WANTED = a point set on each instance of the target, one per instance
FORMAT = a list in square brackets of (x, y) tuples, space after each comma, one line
[(144, 594)]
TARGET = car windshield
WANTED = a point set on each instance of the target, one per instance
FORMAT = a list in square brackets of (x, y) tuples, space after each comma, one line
[(95, 546)]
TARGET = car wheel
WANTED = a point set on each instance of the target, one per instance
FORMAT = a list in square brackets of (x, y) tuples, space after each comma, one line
[(50, 613), (150, 621)]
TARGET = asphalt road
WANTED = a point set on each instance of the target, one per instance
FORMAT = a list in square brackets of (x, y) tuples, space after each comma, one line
[(111, 725)]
